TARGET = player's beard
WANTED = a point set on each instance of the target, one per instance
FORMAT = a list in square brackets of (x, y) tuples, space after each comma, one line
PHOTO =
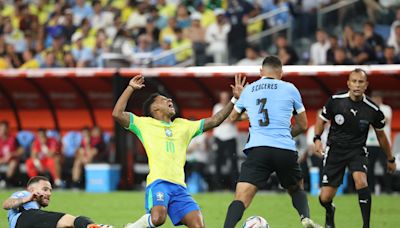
[(43, 202)]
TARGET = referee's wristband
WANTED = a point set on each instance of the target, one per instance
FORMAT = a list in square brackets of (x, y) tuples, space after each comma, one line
[(392, 160), (233, 100), (317, 137)]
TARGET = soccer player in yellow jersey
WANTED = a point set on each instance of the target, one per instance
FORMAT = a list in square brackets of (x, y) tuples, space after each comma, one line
[(166, 142)]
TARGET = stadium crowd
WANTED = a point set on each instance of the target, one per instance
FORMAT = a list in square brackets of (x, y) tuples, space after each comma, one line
[(78, 33)]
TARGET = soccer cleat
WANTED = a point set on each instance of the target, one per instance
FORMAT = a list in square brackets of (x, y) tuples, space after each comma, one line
[(330, 218), (308, 223), (99, 226)]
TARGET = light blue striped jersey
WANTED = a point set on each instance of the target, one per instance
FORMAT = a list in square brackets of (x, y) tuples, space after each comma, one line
[(270, 104)]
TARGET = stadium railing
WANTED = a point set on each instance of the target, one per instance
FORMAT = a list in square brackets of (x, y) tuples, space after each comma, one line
[(208, 71), (146, 59), (336, 6), (268, 17)]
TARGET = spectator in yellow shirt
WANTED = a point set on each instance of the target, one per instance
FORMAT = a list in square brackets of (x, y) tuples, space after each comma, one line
[(168, 32), (4, 63), (181, 42), (207, 15), (29, 61), (166, 9)]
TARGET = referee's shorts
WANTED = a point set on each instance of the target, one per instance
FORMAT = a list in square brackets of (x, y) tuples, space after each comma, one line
[(336, 159), (36, 218), (262, 161)]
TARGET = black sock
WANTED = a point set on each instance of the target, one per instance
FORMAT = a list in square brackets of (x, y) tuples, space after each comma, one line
[(364, 199), (299, 201), (327, 205), (234, 214), (82, 222)]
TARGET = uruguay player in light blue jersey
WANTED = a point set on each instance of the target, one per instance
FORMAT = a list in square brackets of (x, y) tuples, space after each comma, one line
[(270, 104), (24, 209)]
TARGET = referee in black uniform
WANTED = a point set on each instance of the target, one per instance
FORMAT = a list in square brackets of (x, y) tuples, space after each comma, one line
[(350, 115)]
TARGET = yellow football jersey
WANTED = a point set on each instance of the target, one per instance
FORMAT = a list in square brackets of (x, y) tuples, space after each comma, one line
[(166, 145)]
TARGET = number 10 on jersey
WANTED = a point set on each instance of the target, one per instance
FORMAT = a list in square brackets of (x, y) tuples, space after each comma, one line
[(169, 146)]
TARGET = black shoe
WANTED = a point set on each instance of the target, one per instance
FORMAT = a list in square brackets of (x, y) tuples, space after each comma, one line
[(330, 218)]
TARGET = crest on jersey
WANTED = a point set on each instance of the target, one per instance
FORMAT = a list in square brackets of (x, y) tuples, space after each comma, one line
[(168, 132), (339, 119), (160, 196)]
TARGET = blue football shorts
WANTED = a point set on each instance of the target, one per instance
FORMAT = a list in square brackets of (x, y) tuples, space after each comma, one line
[(174, 197)]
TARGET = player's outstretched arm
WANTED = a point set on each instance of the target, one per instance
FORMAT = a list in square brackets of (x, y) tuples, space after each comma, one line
[(119, 113), (219, 117), (12, 203), (384, 143)]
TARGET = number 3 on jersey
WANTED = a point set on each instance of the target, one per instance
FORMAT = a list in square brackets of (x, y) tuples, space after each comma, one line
[(265, 120)]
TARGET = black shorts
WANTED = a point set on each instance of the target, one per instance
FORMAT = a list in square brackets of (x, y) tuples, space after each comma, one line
[(336, 159), (264, 160), (35, 218)]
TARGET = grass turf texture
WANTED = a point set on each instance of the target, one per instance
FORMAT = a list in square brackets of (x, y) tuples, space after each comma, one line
[(119, 208)]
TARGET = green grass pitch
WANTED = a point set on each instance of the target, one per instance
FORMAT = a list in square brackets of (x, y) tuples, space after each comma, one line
[(119, 208)]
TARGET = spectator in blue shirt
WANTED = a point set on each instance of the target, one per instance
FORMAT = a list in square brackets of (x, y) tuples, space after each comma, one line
[(81, 10), (167, 60), (82, 55)]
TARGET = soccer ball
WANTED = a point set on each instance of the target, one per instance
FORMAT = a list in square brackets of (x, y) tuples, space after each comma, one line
[(255, 222)]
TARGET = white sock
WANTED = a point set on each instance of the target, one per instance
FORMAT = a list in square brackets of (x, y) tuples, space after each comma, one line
[(143, 222)]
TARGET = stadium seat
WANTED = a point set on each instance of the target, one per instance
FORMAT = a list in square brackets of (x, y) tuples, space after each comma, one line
[(25, 139), (107, 138), (71, 142), (53, 134), (383, 30)]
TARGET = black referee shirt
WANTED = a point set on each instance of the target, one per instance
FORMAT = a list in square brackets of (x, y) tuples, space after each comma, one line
[(350, 120)]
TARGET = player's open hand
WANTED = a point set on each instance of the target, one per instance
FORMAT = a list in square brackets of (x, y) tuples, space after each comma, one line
[(240, 83), (391, 167), (137, 82), (34, 196)]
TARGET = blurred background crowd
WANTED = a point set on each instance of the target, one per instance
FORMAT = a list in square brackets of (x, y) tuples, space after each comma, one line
[(79, 33)]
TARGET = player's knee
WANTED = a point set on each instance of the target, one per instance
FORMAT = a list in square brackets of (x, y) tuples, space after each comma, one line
[(293, 189), (359, 184), (66, 221), (325, 198), (158, 219), (198, 225)]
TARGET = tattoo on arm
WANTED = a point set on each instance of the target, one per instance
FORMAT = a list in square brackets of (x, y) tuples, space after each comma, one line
[(218, 118), (13, 203)]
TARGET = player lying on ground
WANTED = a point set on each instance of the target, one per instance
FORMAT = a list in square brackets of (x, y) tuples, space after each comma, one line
[(24, 209), (166, 143)]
